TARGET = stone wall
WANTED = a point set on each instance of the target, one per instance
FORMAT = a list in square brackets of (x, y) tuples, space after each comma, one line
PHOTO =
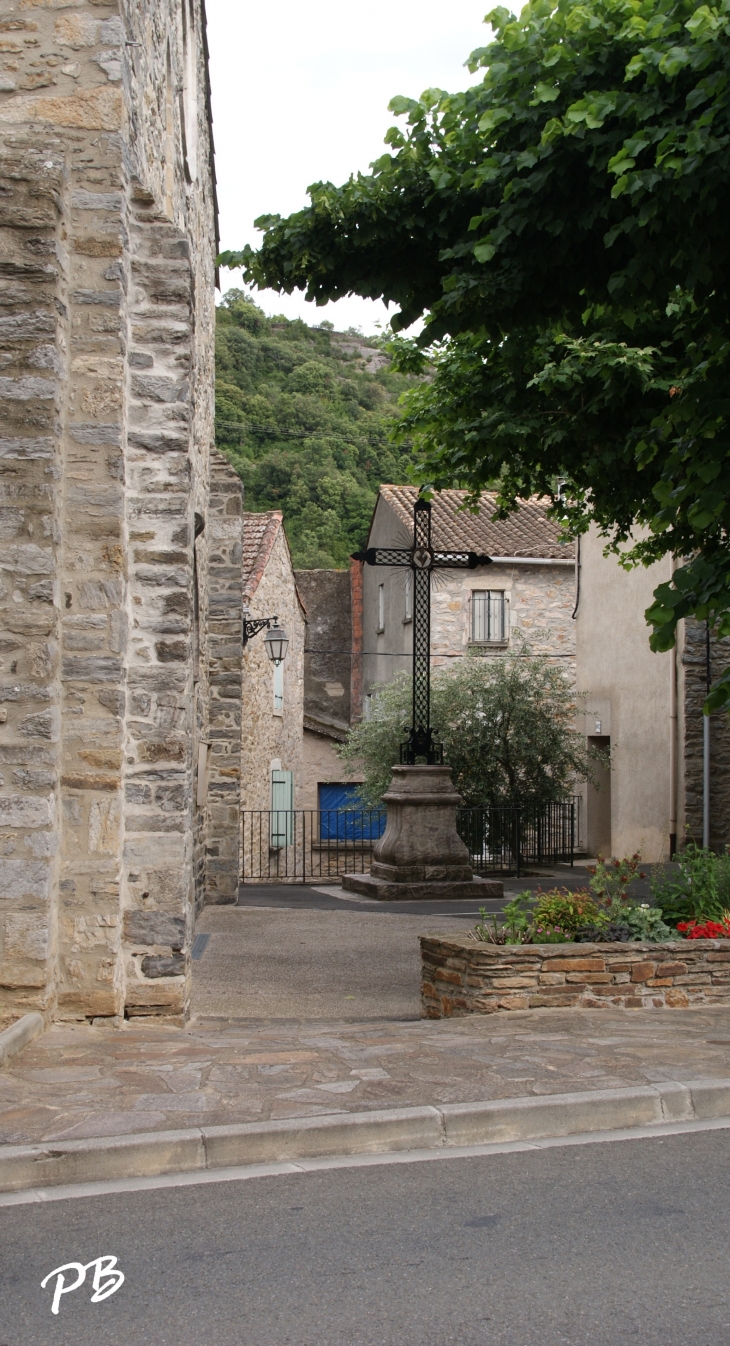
[(106, 346), (540, 601), (465, 976), (693, 686), (224, 652), (266, 736), (332, 672), (326, 598), (34, 328)]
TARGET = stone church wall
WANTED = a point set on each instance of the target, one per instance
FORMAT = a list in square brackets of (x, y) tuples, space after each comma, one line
[(117, 559)]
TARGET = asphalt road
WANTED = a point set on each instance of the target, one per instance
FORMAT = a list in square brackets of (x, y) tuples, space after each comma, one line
[(599, 1245)]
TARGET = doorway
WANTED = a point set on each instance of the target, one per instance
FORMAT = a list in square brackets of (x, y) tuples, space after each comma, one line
[(598, 801)]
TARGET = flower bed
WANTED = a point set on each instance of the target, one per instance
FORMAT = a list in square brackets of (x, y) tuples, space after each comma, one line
[(462, 975)]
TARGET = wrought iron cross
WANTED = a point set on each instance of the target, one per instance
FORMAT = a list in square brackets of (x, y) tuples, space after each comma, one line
[(422, 559)]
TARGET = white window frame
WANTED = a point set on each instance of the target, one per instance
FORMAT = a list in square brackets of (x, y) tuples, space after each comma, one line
[(278, 689), (489, 617), (409, 598), (381, 609)]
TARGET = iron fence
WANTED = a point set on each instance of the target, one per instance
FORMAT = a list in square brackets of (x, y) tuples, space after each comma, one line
[(301, 845), (509, 839), (304, 845)]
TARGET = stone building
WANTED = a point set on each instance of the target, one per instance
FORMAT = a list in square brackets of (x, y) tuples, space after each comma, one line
[(272, 698), (120, 529), (332, 680), (524, 598)]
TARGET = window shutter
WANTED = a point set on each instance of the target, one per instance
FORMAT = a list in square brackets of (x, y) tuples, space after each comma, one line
[(282, 809)]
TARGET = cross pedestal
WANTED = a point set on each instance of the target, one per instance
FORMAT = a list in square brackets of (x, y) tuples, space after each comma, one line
[(421, 855)]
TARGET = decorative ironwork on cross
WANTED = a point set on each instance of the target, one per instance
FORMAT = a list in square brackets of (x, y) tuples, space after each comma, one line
[(422, 560)]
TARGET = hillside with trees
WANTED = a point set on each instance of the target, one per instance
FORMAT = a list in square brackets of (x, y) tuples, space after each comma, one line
[(303, 415)]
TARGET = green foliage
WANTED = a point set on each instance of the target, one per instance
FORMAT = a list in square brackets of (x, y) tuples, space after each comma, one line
[(564, 224), (646, 923), (305, 426), (698, 890), (506, 726), (559, 914), (609, 884), (603, 912), (513, 928)]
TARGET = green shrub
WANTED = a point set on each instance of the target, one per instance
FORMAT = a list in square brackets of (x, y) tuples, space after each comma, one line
[(559, 914), (700, 888)]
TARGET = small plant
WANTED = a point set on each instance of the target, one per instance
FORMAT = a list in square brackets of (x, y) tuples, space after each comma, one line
[(514, 927), (613, 933), (561, 913), (646, 923), (609, 883)]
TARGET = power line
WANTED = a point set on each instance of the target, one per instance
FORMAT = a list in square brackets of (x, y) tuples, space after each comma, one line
[(392, 654)]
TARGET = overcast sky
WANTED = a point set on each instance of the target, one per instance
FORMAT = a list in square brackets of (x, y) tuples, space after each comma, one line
[(301, 93)]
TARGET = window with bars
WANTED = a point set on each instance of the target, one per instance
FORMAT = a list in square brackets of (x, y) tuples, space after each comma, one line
[(488, 619), (408, 615)]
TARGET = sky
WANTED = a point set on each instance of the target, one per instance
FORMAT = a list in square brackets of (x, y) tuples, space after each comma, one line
[(301, 93)]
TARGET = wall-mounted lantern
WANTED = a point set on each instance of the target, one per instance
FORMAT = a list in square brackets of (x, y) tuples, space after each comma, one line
[(276, 640)]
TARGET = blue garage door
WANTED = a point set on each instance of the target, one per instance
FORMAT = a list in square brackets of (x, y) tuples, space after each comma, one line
[(341, 818)]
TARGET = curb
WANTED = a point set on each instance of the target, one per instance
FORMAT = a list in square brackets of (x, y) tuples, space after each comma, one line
[(152, 1154), (19, 1034)]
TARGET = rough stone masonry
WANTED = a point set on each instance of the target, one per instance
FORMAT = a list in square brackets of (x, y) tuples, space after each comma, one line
[(120, 528), (462, 975)]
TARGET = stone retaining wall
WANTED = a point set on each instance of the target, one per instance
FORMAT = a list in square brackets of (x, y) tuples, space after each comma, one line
[(465, 976)]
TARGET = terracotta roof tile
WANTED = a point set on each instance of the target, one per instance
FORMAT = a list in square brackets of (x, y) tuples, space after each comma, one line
[(259, 536), (529, 532)]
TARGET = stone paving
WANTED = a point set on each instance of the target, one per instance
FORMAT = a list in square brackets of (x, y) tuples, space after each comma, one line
[(77, 1082)]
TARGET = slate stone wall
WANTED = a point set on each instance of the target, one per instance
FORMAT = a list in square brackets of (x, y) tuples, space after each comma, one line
[(107, 599), (693, 690), (465, 976)]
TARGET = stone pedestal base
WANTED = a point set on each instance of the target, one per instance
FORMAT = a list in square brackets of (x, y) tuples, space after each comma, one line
[(468, 889), (421, 855)]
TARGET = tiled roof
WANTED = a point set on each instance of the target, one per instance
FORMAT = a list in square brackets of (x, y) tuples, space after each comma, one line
[(529, 532), (259, 536)]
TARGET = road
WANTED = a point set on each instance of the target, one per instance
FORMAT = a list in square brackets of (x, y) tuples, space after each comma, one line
[(594, 1245)]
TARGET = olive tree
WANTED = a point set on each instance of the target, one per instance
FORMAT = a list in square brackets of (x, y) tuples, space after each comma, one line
[(507, 728)]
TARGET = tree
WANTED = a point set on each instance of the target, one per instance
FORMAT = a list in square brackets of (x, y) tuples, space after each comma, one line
[(506, 726), (563, 227), (305, 422)]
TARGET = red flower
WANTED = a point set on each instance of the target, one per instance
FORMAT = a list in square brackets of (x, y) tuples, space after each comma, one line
[(705, 929)]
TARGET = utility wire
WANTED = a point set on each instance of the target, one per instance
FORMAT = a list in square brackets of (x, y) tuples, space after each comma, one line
[(392, 654)]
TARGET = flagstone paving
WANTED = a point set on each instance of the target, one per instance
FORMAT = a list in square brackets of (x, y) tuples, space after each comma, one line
[(77, 1081)]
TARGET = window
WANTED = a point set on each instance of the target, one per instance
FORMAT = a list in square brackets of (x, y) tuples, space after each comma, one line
[(488, 615), (381, 607), (278, 689), (409, 598)]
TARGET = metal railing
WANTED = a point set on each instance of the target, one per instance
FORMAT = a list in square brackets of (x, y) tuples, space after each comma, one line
[(508, 839), (301, 845), (304, 845)]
